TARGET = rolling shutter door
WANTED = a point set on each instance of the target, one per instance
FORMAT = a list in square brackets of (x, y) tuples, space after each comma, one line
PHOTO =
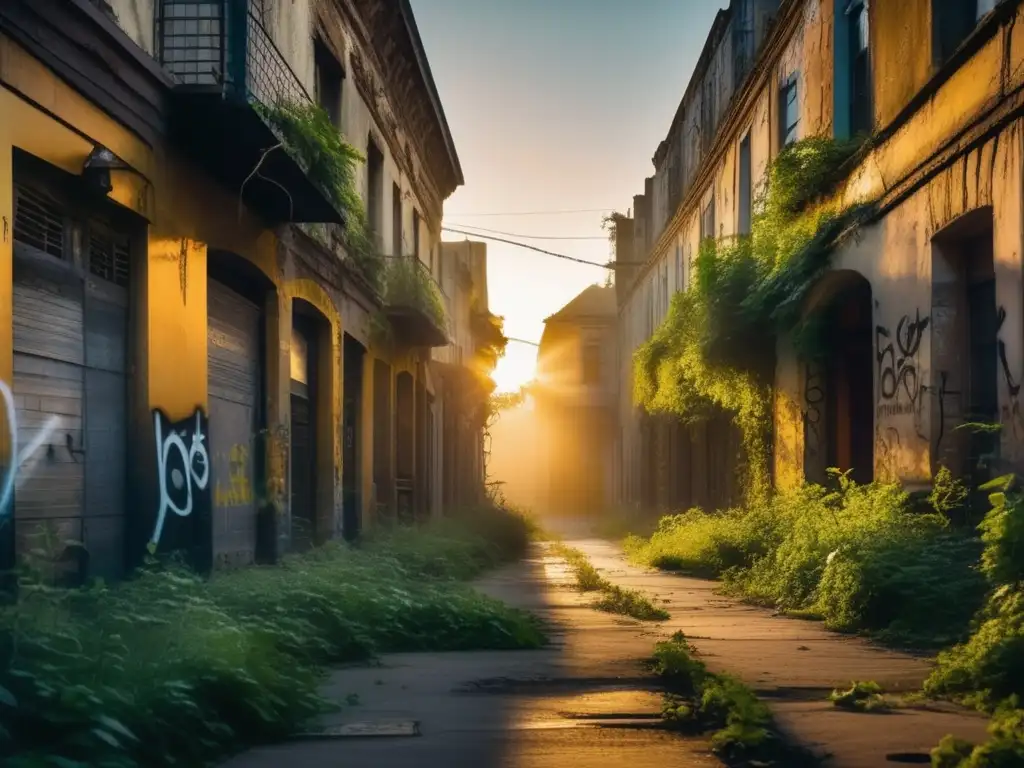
[(70, 362), (234, 333)]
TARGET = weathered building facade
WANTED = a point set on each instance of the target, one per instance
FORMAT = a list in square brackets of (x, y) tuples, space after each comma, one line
[(925, 298), (574, 401), (191, 357)]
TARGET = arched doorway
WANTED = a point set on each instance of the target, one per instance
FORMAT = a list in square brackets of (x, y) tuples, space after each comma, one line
[(839, 383)]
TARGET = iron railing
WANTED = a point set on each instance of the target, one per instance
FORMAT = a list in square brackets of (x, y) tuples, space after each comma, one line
[(225, 43)]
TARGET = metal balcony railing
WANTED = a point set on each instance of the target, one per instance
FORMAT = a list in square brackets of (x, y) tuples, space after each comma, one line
[(225, 44)]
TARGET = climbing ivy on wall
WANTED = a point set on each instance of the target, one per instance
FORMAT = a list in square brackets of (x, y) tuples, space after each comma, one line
[(307, 132), (715, 348)]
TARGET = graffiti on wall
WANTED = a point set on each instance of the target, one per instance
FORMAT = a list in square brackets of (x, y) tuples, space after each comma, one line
[(899, 380), (237, 490), (183, 467), (814, 402), (1010, 414), (17, 469)]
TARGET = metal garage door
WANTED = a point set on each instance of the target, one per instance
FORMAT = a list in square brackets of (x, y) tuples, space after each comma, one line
[(234, 332), (70, 346)]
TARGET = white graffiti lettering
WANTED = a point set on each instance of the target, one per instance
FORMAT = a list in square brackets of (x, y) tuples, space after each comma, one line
[(179, 468), (15, 475)]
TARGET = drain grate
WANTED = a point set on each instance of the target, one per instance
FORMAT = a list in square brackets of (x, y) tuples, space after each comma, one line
[(382, 729)]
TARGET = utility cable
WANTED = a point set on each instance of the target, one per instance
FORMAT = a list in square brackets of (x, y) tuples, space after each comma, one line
[(530, 237), (609, 265), (533, 213), (523, 341), (528, 247)]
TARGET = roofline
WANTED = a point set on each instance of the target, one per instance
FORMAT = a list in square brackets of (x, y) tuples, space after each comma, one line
[(715, 36), (435, 99)]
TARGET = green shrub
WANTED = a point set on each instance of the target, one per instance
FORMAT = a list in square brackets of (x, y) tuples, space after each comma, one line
[(989, 667), (170, 668), (856, 557)]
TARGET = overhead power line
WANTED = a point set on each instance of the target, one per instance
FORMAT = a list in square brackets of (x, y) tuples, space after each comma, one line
[(528, 247), (523, 341), (533, 213), (530, 237)]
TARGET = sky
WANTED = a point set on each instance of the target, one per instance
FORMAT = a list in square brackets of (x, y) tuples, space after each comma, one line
[(554, 106)]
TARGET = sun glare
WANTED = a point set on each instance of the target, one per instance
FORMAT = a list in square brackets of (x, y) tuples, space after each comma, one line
[(516, 368)]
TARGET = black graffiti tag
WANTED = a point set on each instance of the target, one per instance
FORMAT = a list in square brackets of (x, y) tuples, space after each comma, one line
[(897, 366)]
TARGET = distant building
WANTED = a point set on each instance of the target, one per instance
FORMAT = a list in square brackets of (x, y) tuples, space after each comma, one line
[(575, 401)]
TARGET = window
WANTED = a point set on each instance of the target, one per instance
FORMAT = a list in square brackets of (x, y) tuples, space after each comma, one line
[(953, 21), (707, 112), (591, 363), (746, 192), (329, 77), (396, 220), (860, 68), (416, 234), (374, 184), (679, 266), (789, 110), (707, 219)]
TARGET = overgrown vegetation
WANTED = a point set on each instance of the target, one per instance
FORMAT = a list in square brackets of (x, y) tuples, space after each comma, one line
[(702, 701), (987, 670), (613, 598), (171, 669), (408, 284), (714, 350), (860, 697), (856, 557), (308, 134)]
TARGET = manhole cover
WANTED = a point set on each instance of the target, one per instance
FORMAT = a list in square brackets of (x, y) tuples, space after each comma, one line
[(364, 730)]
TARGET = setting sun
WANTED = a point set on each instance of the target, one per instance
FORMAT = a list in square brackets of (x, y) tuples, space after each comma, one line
[(516, 368)]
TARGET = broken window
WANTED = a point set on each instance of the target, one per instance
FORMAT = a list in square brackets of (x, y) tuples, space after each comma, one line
[(860, 68)]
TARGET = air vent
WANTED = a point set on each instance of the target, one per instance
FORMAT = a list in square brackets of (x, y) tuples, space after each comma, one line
[(38, 221), (108, 258)]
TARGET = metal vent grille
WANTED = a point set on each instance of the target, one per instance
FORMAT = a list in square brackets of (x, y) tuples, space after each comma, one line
[(38, 221), (108, 258)]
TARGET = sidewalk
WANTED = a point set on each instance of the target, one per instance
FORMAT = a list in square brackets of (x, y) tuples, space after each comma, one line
[(794, 664), (586, 700)]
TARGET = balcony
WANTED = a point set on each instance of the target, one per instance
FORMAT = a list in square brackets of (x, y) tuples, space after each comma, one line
[(228, 71), (413, 304)]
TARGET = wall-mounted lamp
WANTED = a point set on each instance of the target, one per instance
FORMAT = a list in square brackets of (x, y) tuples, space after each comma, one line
[(97, 167)]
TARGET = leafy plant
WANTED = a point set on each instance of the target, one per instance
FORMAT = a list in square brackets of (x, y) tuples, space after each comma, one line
[(713, 351), (307, 132), (408, 284)]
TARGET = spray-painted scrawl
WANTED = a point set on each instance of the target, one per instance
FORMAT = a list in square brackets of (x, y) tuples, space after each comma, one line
[(183, 469), (16, 468)]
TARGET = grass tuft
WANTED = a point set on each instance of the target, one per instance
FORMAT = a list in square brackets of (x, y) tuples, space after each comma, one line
[(860, 697), (613, 598)]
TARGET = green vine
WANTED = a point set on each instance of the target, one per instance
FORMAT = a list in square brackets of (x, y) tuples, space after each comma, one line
[(308, 134), (715, 349), (489, 333)]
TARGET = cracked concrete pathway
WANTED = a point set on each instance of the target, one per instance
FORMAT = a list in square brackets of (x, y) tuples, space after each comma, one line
[(585, 700), (794, 664)]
